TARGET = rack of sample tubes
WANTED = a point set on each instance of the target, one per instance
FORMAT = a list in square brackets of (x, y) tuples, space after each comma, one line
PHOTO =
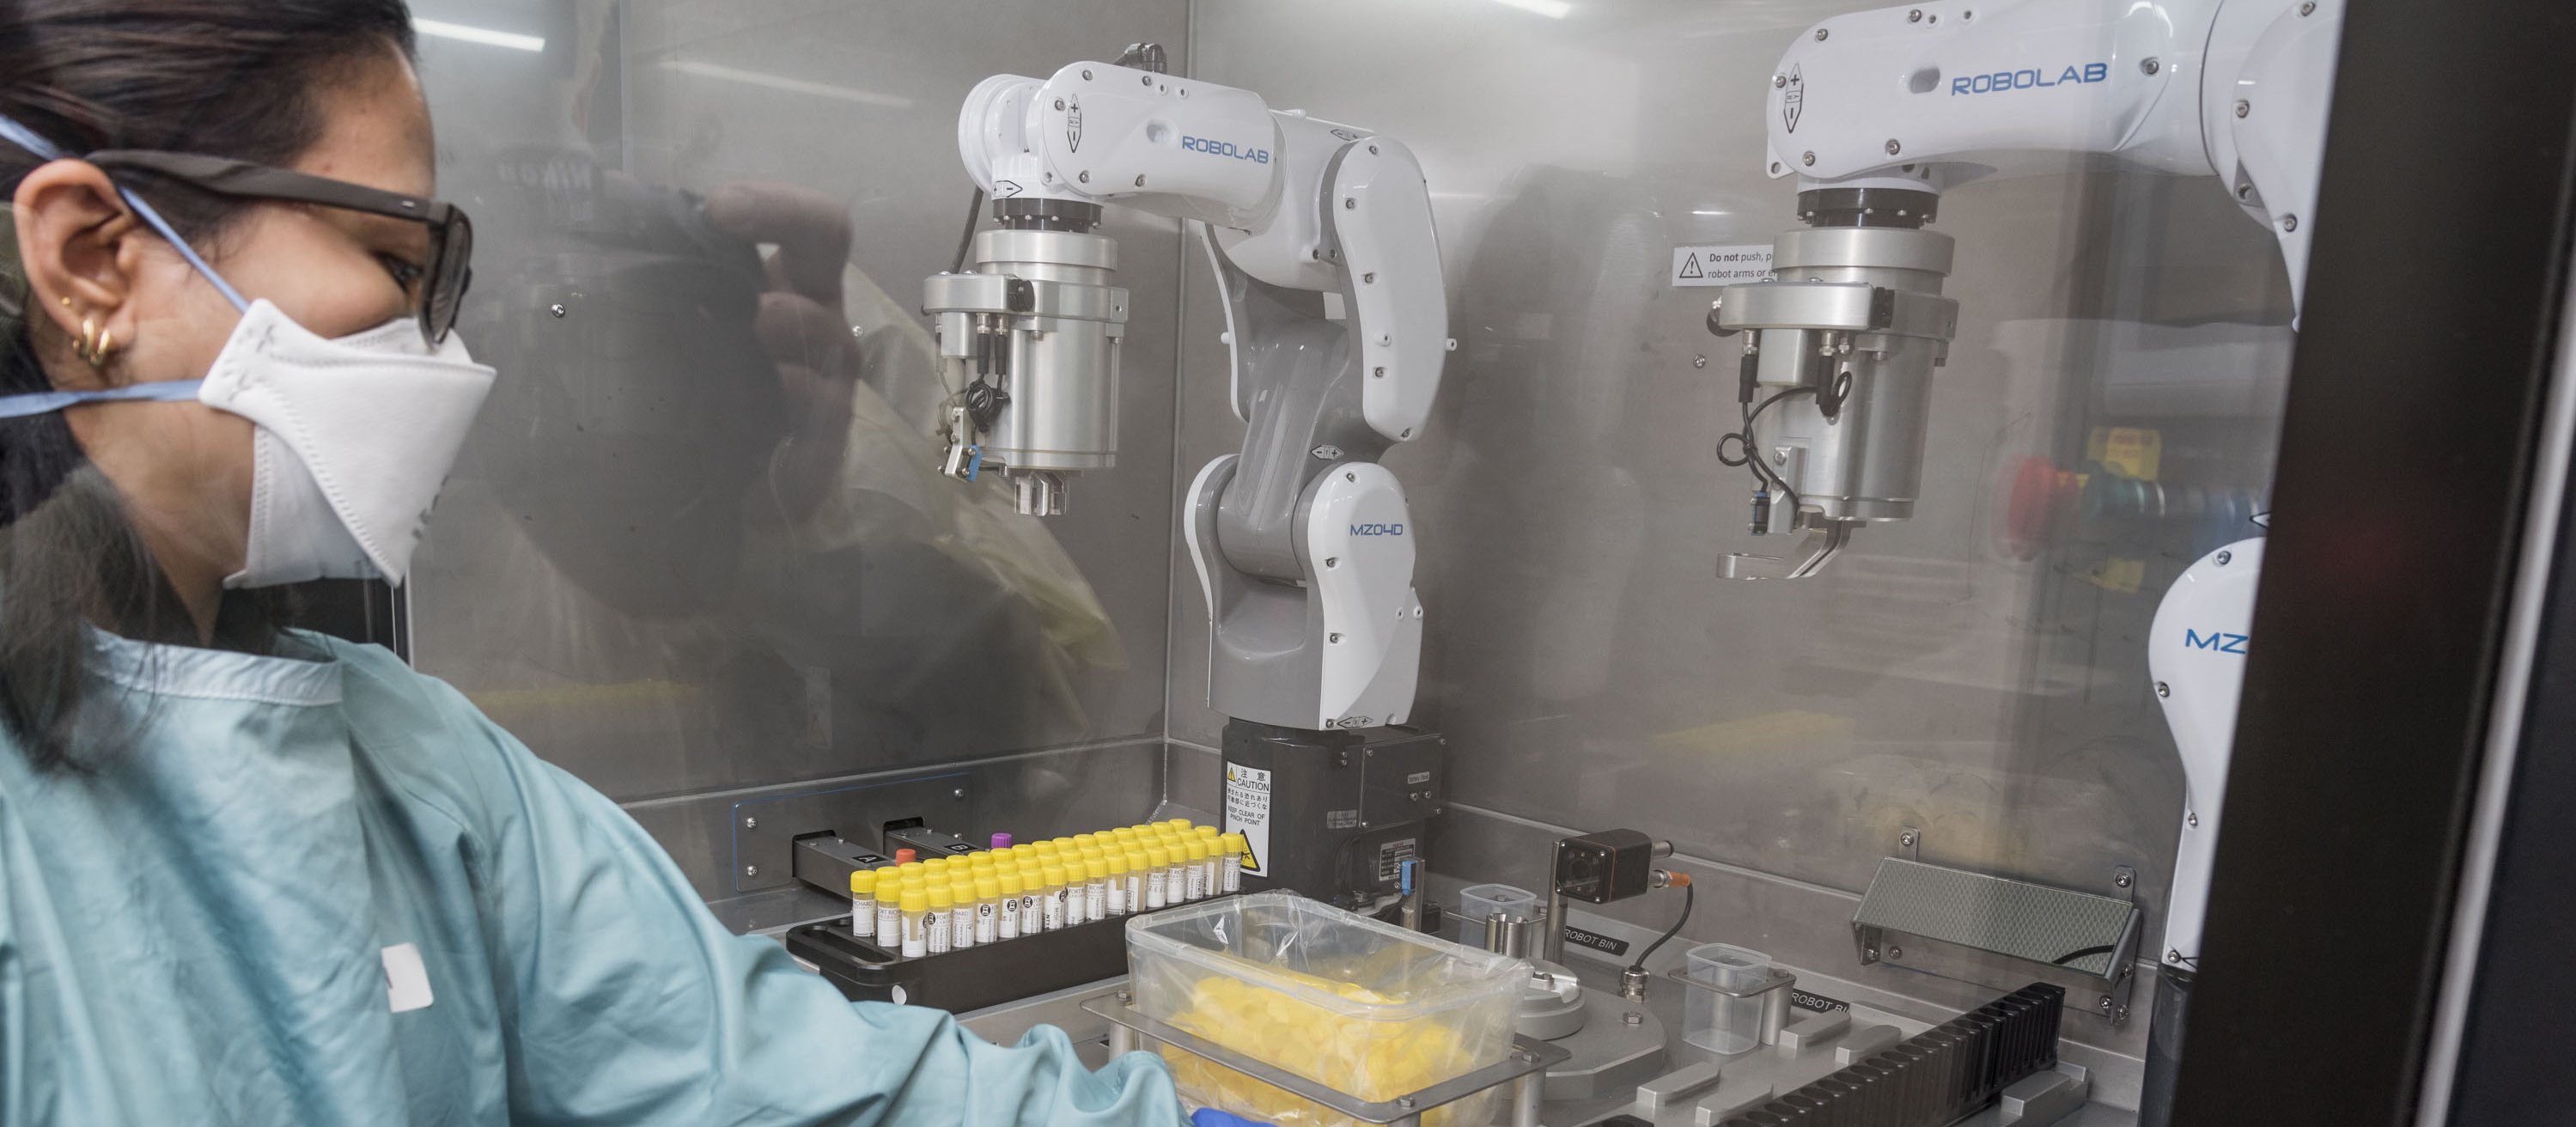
[(985, 926)]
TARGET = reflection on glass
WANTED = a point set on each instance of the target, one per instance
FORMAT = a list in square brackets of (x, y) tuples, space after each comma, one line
[(699, 539)]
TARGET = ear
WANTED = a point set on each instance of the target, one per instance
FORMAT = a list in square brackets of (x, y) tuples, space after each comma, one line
[(80, 247)]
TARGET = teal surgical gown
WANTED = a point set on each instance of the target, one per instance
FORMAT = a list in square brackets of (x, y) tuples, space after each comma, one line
[(215, 921)]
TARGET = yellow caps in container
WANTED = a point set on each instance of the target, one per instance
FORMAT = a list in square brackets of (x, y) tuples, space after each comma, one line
[(910, 868), (939, 899), (988, 888), (1061, 844), (961, 891), (1054, 875), (1009, 882), (1178, 824), (1158, 857), (1096, 867), (1232, 843), (916, 900), (1084, 840), (1118, 861), (1205, 831), (863, 882)]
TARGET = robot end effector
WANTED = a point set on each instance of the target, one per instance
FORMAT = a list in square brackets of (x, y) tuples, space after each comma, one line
[(1835, 379)]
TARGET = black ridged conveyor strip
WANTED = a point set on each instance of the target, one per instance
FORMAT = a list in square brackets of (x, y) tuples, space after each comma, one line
[(1935, 1077)]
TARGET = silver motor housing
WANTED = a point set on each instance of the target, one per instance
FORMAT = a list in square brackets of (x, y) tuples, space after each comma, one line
[(1038, 319)]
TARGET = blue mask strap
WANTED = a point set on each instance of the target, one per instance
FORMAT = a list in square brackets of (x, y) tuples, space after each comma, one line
[(33, 142), (41, 402)]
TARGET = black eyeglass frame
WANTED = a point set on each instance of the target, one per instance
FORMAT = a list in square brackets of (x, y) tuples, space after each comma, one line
[(450, 270)]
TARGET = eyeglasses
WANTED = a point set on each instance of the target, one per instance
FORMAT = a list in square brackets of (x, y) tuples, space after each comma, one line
[(451, 235)]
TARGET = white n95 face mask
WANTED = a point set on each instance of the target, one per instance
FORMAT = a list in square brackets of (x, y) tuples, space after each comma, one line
[(353, 439)]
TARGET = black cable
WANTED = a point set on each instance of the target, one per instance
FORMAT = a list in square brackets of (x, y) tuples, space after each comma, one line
[(1763, 476), (2087, 952), (974, 218), (1690, 895)]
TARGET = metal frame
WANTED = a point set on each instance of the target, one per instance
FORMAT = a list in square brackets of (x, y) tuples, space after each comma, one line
[(1525, 1070), (2406, 468)]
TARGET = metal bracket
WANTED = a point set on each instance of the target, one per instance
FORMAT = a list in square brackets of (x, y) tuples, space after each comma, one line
[(1824, 541), (1949, 920)]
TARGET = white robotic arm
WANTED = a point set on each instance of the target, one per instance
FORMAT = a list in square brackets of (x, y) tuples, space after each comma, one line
[(1878, 112), (1321, 237)]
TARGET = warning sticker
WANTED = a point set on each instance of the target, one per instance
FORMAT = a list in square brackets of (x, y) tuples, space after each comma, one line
[(1392, 856), (1247, 812), (1721, 265)]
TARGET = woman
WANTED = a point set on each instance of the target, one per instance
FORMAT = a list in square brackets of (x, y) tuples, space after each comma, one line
[(250, 875)]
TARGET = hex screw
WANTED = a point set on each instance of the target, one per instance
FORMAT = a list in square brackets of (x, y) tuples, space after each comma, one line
[(2308, 7), (1059, 103), (1915, 16), (1140, 179), (2223, 557), (2150, 65), (2289, 223), (558, 310), (1893, 148), (1820, 35), (1810, 158), (959, 794), (1350, 203), (2163, 690), (2243, 107), (2193, 818), (1085, 177), (1086, 76), (751, 870), (2173, 955), (1699, 361), (2124, 880), (1895, 952), (751, 823), (1906, 839), (1779, 80)]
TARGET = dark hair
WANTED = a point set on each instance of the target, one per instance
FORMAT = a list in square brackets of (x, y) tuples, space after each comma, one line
[(244, 79)]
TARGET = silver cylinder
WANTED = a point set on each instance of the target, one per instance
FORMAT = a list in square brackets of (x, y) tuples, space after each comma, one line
[(1063, 382), (1865, 461)]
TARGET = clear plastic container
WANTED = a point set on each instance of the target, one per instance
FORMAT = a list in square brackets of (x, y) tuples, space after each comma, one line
[(1476, 902), (1369, 1008), (1714, 1021)]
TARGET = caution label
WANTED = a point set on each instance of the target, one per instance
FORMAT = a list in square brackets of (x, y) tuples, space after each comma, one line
[(1247, 812), (1723, 265)]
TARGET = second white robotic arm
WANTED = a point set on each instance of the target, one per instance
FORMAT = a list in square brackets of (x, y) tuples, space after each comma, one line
[(1879, 112)]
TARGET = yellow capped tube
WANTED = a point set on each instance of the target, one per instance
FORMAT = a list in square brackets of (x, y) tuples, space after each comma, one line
[(1158, 878), (934, 927), (988, 910), (1032, 891), (1131, 878), (1176, 887), (1095, 887), (961, 913), (1230, 868), (1051, 903), (1006, 905), (1115, 865), (1196, 871), (863, 902), (916, 923), (887, 927)]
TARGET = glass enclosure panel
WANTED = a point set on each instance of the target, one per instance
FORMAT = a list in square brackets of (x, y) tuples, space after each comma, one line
[(698, 540), (2107, 414)]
